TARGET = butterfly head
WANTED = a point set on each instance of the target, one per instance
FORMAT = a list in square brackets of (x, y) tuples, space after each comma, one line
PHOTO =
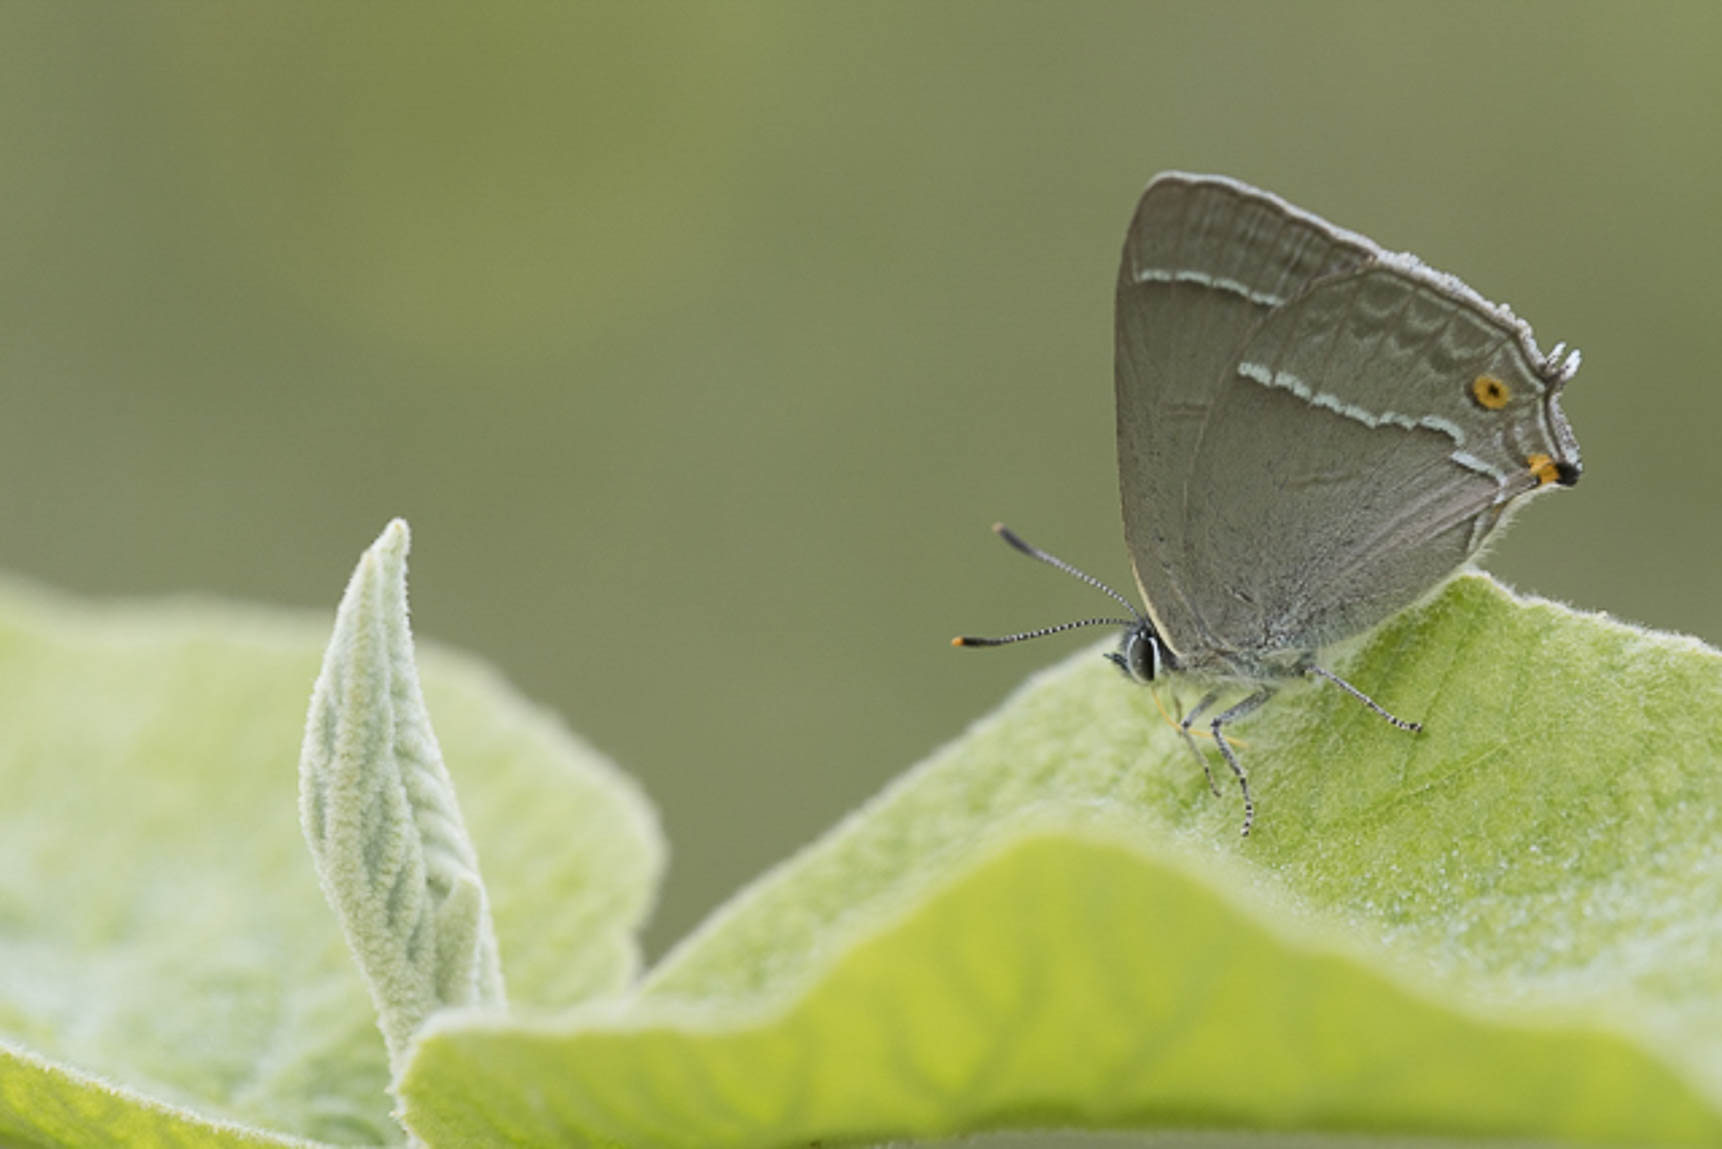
[(1140, 654)]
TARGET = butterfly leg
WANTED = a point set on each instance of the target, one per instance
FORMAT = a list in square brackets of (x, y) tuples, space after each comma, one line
[(1414, 727), (1249, 705), (1184, 728)]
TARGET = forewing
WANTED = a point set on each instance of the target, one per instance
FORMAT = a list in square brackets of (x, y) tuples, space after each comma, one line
[(1206, 259)]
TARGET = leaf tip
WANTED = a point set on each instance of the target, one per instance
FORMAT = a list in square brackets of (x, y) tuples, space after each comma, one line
[(395, 541)]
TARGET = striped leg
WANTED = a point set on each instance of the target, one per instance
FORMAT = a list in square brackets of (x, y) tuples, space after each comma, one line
[(1414, 727), (1184, 728), (1247, 706)]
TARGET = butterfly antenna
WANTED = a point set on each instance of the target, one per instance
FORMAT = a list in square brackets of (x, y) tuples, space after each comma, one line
[(1035, 552), (1005, 640)]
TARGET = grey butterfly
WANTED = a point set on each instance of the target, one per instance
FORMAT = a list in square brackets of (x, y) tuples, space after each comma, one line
[(1313, 433)]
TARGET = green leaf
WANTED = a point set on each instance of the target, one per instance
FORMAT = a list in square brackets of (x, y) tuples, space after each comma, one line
[(169, 971), (380, 816), (1509, 925)]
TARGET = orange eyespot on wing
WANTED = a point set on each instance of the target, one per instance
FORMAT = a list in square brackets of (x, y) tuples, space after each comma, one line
[(1490, 393), (1544, 468)]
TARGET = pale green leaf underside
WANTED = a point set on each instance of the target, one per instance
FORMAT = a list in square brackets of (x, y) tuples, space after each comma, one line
[(1508, 925), (163, 941)]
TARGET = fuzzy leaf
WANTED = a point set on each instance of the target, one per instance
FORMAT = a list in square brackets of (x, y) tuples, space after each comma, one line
[(379, 813), (1507, 926), (169, 971)]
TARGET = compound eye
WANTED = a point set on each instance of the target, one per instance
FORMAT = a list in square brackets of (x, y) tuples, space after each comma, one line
[(1489, 393), (1144, 655)]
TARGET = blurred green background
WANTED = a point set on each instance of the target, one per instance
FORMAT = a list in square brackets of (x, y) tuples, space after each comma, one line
[(701, 344)]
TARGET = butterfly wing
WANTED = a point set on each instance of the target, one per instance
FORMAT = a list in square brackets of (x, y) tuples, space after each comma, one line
[(1205, 261), (1350, 462)]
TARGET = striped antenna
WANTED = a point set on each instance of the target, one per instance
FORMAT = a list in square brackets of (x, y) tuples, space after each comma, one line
[(1035, 552)]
